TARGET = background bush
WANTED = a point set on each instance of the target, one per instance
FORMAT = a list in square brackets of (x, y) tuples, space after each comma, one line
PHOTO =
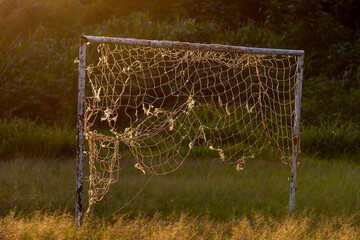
[(39, 42)]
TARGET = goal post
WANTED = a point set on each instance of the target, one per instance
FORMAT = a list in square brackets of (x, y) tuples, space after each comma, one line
[(296, 133), (158, 100), (80, 133)]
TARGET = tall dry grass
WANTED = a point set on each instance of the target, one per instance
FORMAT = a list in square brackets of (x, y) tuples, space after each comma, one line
[(183, 226)]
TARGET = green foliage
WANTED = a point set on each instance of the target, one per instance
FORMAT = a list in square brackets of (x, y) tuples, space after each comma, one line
[(327, 30), (330, 98), (39, 40), (332, 139), (24, 16), (26, 138), (227, 12), (97, 11), (38, 78)]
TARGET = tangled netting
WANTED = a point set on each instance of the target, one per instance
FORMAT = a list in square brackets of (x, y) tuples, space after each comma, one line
[(158, 104)]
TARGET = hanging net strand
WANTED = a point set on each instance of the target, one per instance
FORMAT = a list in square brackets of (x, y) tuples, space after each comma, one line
[(157, 104)]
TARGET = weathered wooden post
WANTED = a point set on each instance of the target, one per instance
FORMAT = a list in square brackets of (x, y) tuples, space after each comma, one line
[(296, 133), (80, 134)]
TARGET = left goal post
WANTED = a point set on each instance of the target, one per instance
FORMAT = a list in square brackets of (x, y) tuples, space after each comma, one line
[(80, 133)]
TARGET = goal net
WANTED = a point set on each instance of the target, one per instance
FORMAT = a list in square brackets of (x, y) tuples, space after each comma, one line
[(157, 101)]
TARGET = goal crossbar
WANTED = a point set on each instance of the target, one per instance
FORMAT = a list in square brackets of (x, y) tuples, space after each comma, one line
[(190, 46)]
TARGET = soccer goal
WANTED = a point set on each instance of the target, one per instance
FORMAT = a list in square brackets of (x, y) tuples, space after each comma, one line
[(155, 101)]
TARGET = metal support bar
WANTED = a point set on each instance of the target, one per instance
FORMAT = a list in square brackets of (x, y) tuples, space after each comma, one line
[(296, 133), (80, 134), (191, 46)]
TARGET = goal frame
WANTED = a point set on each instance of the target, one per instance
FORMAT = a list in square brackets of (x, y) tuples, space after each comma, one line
[(185, 46)]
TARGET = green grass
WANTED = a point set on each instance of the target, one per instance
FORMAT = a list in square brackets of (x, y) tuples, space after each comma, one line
[(30, 139), (204, 199), (332, 139), (26, 138), (200, 188)]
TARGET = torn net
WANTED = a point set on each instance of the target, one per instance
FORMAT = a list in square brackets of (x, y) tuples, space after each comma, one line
[(158, 104)]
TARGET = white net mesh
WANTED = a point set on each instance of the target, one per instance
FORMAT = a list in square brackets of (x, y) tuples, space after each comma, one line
[(159, 104)]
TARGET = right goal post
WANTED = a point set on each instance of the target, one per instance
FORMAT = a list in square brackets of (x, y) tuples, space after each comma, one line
[(156, 101)]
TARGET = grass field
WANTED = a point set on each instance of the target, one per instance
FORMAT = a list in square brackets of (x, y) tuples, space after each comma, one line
[(204, 199)]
